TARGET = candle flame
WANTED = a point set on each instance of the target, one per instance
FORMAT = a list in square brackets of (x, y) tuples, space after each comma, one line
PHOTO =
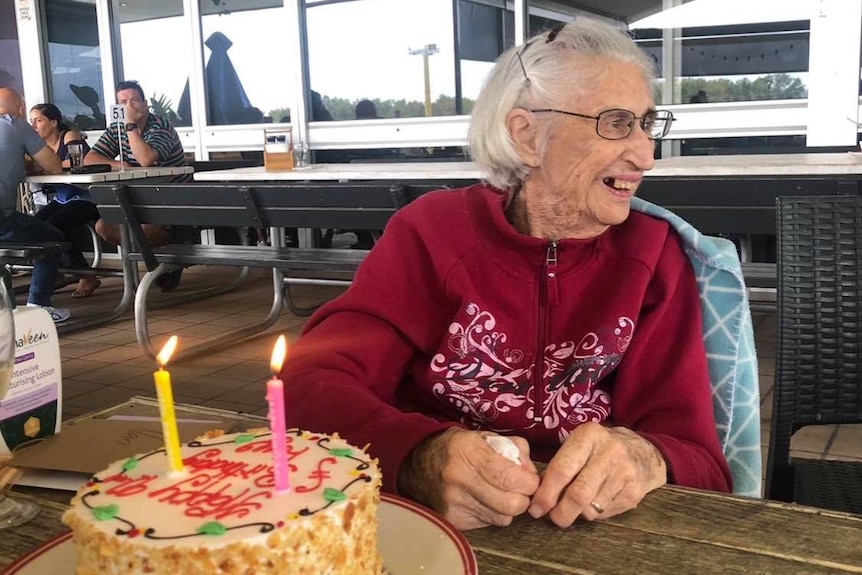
[(278, 353), (167, 351)]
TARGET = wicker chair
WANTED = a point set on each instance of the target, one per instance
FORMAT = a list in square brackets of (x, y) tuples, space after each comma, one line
[(818, 371)]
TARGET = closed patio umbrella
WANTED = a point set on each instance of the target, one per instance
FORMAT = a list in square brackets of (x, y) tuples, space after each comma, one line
[(226, 98)]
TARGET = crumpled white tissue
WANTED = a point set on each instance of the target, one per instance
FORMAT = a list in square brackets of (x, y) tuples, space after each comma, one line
[(505, 447)]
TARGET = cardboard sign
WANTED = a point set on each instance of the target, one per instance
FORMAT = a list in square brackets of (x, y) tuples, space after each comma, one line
[(32, 409), (25, 10), (89, 445)]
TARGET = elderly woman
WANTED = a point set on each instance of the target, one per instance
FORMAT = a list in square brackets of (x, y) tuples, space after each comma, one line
[(536, 306), (70, 207)]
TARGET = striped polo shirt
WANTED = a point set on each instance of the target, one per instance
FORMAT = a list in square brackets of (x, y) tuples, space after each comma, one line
[(157, 133)]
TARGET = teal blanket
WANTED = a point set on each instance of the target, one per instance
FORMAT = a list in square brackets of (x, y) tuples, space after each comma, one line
[(729, 339)]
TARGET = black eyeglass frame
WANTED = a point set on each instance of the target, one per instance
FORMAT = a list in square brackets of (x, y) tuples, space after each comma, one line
[(655, 114), (552, 35)]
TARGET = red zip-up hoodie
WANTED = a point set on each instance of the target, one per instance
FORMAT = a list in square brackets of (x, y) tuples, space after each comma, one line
[(455, 318)]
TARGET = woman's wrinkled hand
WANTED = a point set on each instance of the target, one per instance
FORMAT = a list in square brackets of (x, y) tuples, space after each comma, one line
[(598, 472), (459, 475)]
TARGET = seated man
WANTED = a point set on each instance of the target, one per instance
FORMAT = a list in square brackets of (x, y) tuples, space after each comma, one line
[(145, 140), (18, 138)]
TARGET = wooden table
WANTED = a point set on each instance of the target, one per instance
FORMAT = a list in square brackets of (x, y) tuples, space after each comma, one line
[(679, 531), (673, 531), (129, 270), (703, 167), (398, 171), (716, 194), (447, 173), (113, 176)]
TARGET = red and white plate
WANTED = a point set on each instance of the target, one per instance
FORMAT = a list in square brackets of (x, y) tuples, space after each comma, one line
[(412, 539)]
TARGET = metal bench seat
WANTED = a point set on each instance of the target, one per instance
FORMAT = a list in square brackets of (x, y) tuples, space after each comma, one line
[(14, 252), (287, 259), (15, 255), (297, 267), (363, 206)]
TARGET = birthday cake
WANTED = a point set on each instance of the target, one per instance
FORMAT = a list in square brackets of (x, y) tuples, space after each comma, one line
[(223, 516)]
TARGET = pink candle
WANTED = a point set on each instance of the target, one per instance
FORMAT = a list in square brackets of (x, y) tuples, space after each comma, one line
[(277, 423)]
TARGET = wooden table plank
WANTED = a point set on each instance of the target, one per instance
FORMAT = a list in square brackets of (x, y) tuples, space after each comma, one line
[(713, 167), (16, 541), (607, 549), (495, 564), (773, 528)]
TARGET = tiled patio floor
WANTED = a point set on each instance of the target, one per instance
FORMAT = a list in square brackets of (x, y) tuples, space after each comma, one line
[(104, 366)]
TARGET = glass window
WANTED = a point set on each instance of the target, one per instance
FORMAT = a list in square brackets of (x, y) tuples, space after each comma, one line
[(767, 61), (743, 145), (249, 79), (10, 57), (485, 30), (162, 68), (409, 69), (75, 65)]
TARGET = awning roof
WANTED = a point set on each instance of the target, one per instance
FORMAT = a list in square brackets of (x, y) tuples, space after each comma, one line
[(728, 13)]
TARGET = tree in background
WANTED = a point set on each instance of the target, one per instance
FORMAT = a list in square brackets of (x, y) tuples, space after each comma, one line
[(279, 113), (164, 107), (768, 87), (344, 108)]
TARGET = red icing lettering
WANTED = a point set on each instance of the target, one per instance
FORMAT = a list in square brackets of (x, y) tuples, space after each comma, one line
[(209, 460), (126, 486), (292, 452), (210, 496), (217, 487), (255, 447), (317, 475)]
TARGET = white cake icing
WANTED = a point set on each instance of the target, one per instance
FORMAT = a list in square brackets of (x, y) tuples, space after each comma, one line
[(223, 514)]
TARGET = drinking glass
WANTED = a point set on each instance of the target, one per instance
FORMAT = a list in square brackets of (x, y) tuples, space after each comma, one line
[(12, 512), (301, 156), (76, 155)]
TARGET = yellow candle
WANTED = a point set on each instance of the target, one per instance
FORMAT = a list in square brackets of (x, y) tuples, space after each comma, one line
[(162, 378)]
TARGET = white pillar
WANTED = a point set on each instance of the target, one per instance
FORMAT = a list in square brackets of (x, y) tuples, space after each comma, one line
[(30, 46), (833, 77)]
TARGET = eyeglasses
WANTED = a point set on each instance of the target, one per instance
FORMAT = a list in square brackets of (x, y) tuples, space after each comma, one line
[(552, 35), (618, 124)]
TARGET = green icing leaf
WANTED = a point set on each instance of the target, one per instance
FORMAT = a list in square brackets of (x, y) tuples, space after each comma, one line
[(340, 451), (212, 528), (130, 464), (331, 494), (106, 512), (243, 438)]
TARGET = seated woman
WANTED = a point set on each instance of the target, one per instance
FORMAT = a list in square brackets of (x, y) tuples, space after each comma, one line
[(70, 208), (537, 305)]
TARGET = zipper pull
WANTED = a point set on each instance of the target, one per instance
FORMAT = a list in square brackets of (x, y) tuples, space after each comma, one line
[(551, 275)]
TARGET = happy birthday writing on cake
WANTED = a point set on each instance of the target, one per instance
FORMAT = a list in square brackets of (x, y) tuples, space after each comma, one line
[(217, 487)]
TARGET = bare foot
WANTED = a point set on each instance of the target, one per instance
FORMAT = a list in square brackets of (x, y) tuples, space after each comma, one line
[(86, 286)]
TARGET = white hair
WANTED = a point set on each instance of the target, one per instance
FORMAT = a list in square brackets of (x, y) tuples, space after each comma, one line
[(541, 71)]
